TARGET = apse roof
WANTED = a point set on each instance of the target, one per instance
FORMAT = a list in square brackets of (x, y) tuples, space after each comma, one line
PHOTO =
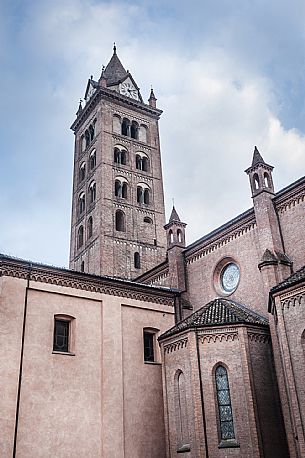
[(218, 312)]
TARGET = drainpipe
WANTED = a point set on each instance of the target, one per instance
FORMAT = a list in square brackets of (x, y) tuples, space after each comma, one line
[(201, 396), (21, 359)]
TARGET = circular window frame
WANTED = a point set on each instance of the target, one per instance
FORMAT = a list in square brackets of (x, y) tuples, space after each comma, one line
[(217, 276)]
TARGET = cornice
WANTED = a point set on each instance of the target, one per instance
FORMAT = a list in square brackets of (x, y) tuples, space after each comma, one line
[(293, 298), (112, 95), (218, 239), (72, 279), (176, 345)]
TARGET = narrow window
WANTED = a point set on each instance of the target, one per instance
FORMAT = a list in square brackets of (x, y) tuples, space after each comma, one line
[(181, 413), (92, 159), (83, 143), (136, 260), (90, 227), (91, 133), (92, 192), (146, 196), (224, 404), (179, 234), (140, 194), (124, 190), (134, 130), (126, 127), (82, 171), (138, 162), (123, 157), (120, 221), (81, 203), (61, 335), (145, 164), (87, 137), (117, 188), (82, 266), (148, 339), (267, 180), (256, 181), (80, 237)]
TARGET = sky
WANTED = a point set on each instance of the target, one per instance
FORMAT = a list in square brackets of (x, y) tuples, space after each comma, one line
[(228, 75)]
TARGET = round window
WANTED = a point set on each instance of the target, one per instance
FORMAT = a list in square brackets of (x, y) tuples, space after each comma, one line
[(229, 277)]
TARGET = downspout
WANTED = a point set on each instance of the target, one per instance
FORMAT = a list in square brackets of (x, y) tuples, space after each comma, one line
[(201, 397), (21, 359)]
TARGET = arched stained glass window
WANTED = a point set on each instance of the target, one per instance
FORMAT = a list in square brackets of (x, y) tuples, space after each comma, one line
[(224, 404)]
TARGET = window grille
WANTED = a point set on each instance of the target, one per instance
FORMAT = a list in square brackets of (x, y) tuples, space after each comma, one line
[(61, 335)]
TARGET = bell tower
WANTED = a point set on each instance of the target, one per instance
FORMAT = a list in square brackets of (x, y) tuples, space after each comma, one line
[(118, 204)]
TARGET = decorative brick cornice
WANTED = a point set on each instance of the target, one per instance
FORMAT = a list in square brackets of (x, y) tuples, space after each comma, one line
[(219, 337), (293, 299), (213, 243), (71, 279), (291, 202), (259, 337), (177, 345)]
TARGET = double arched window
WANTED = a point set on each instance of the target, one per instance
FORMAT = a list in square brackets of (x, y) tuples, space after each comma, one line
[(120, 188), (224, 404), (88, 136), (120, 155), (120, 224), (143, 194), (142, 162), (81, 203), (92, 192), (130, 128)]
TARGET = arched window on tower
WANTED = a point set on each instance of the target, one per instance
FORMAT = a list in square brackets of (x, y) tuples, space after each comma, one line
[(82, 143), (170, 236), (138, 162), (82, 266), (120, 156), (120, 221), (87, 137), (82, 171), (120, 188), (126, 127), (80, 236), (148, 220), (81, 203), (267, 180), (256, 181), (142, 162), (146, 196), (92, 192), (90, 227), (224, 404), (179, 235), (92, 159), (137, 260), (91, 132), (134, 130)]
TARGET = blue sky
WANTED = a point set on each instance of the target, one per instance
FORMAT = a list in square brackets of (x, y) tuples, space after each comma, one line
[(228, 74)]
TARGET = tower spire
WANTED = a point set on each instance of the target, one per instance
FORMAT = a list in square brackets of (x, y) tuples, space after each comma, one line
[(114, 48)]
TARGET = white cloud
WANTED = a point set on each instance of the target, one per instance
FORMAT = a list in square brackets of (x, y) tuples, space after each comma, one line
[(217, 105)]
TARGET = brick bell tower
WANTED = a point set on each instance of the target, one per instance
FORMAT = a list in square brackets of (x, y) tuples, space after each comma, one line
[(118, 204)]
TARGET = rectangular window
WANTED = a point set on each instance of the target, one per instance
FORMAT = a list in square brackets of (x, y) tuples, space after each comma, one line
[(149, 347), (61, 335)]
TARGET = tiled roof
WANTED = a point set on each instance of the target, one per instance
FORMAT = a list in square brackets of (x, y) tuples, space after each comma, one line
[(295, 278), (218, 312)]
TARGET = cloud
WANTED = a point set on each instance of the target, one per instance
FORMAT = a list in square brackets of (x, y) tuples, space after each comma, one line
[(222, 92)]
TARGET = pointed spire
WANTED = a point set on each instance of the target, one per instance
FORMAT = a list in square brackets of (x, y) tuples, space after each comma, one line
[(152, 99), (80, 108), (174, 215), (114, 71), (257, 158), (103, 81)]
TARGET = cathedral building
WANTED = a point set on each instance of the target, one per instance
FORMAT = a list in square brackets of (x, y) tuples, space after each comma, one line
[(147, 347)]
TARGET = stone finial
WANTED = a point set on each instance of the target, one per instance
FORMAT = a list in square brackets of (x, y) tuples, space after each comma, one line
[(152, 99)]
